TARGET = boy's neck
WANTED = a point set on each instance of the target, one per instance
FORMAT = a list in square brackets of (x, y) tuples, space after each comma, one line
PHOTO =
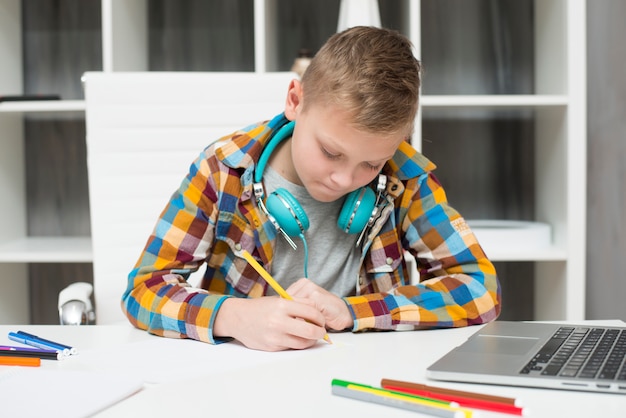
[(282, 163)]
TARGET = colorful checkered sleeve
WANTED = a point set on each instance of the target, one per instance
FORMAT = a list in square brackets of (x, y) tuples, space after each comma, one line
[(196, 227), (457, 284), (158, 297)]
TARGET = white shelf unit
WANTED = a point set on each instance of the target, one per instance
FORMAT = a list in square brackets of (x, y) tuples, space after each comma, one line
[(559, 103), (17, 248)]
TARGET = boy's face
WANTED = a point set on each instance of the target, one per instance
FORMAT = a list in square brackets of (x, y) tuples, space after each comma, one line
[(331, 157)]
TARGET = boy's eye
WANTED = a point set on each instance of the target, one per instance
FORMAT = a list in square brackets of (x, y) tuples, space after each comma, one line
[(330, 155)]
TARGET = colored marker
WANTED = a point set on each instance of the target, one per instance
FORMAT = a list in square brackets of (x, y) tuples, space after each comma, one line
[(461, 401), (36, 343), (385, 397), (451, 392), (30, 352), (271, 281), (72, 350), (20, 361)]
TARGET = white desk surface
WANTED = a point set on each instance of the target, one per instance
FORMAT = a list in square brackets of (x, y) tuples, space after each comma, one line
[(196, 379)]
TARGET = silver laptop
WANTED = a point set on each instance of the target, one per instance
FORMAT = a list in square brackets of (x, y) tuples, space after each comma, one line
[(546, 355)]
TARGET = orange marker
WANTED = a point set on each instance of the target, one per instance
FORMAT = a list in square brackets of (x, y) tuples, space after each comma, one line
[(20, 361)]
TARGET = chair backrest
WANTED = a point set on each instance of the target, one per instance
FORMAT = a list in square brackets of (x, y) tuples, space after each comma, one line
[(143, 131)]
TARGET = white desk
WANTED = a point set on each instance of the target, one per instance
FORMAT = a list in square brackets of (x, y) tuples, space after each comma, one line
[(194, 379)]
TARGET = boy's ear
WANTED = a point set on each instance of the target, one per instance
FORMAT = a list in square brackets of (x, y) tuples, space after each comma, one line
[(293, 104)]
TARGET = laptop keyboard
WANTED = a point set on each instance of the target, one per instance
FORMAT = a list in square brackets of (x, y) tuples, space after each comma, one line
[(581, 352)]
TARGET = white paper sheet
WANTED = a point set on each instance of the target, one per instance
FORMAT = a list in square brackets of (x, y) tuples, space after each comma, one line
[(35, 392), (160, 360)]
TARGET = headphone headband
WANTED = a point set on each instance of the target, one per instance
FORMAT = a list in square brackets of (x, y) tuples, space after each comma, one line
[(283, 132)]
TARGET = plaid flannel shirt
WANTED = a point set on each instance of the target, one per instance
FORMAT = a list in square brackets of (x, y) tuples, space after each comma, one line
[(213, 215)]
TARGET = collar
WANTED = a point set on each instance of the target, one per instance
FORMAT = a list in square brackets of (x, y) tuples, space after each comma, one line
[(243, 148), (408, 163)]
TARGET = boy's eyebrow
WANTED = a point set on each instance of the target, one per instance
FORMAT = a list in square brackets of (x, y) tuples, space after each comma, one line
[(382, 160), (386, 158), (334, 143)]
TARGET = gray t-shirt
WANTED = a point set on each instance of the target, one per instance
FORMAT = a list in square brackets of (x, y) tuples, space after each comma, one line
[(333, 256)]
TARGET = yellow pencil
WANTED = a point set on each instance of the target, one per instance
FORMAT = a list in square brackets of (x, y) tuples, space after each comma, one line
[(271, 281)]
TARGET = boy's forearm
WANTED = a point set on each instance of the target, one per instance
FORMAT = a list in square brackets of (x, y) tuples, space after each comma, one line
[(171, 313), (422, 306)]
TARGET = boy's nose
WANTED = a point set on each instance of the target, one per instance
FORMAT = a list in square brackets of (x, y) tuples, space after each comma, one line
[(342, 177)]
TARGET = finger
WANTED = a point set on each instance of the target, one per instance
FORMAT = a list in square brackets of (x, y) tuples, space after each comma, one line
[(297, 343), (306, 301), (307, 330), (308, 311), (299, 287)]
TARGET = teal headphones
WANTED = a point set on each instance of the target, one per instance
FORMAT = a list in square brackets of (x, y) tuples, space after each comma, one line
[(359, 209)]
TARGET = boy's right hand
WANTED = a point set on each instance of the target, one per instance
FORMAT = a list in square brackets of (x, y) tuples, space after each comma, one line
[(270, 323)]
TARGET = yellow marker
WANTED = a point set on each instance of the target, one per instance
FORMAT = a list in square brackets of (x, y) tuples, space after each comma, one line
[(271, 281)]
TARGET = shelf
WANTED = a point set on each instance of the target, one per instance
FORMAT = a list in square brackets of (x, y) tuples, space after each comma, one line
[(541, 254), (521, 100), (43, 106), (78, 250), (508, 240), (426, 101), (47, 250)]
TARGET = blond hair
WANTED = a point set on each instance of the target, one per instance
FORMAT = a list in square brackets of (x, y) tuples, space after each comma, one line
[(370, 72)]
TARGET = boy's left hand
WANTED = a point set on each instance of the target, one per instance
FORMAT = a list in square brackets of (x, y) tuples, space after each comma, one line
[(333, 308)]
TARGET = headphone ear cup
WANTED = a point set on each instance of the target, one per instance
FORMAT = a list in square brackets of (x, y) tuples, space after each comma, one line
[(287, 212), (357, 210)]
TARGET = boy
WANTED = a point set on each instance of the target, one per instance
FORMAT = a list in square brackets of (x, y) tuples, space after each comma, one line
[(336, 171)]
